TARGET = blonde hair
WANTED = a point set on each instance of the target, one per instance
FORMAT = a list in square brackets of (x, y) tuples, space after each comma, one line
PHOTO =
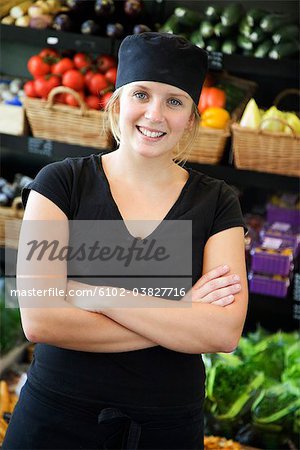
[(182, 148)]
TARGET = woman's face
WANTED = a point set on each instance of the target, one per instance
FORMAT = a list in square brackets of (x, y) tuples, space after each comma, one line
[(153, 117)]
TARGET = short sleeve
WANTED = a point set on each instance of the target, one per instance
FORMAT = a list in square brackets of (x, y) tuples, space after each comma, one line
[(54, 181), (228, 211)]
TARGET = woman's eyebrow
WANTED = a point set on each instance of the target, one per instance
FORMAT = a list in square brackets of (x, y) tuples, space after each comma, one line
[(173, 94)]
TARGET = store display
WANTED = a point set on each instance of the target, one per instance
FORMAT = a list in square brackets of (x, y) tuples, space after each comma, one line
[(268, 141), (258, 387), (230, 29)]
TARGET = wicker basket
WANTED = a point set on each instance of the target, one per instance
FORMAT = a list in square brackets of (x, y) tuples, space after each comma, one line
[(266, 151), (80, 126), (12, 216), (210, 143)]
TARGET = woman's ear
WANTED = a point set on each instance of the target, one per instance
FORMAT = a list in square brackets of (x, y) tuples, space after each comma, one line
[(190, 122)]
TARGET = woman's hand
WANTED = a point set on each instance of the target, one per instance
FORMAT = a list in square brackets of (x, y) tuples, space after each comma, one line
[(216, 287)]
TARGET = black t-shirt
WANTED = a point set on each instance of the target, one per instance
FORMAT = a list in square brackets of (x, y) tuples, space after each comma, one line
[(151, 377)]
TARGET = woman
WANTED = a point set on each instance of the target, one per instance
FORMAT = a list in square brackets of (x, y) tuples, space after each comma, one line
[(106, 376)]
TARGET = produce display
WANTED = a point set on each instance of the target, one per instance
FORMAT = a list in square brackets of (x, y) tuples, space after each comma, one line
[(253, 394), (271, 120), (11, 91), (273, 250), (92, 78), (231, 29), (112, 18), (7, 404), (219, 98), (10, 191)]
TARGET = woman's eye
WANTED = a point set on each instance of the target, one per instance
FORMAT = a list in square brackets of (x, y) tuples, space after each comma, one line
[(175, 102), (140, 95)]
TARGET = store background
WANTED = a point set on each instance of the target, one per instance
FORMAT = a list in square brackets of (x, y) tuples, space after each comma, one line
[(27, 155)]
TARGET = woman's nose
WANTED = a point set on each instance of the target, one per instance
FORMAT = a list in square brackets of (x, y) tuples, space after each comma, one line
[(154, 112)]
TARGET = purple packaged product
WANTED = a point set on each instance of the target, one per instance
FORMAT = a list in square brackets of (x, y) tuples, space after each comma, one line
[(273, 286), (273, 256), (279, 214), (283, 230)]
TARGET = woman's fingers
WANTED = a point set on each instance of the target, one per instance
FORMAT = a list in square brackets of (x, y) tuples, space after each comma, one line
[(224, 301), (217, 284), (211, 275), (216, 294)]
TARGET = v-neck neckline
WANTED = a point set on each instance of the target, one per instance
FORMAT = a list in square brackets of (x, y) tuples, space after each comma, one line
[(170, 212)]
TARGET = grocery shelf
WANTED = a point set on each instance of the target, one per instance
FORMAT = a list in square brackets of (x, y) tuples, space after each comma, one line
[(285, 68), (56, 39), (39, 152), (249, 178)]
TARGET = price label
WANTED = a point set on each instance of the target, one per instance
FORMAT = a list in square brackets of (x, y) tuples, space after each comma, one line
[(215, 61), (40, 147)]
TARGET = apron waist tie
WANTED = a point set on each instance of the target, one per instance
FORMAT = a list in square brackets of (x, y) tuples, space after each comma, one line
[(109, 414)]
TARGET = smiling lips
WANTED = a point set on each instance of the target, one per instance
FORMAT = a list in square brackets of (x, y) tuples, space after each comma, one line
[(151, 134)]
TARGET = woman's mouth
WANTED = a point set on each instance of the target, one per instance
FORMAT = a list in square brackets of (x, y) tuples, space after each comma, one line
[(153, 135)]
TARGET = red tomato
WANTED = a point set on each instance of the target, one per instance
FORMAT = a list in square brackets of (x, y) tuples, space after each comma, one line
[(202, 105), (105, 62), (111, 75), (87, 77), (73, 79), (104, 99), (97, 83), (43, 85), (60, 98), (49, 53), (37, 67), (93, 102), (81, 60), (71, 100), (29, 89), (62, 66)]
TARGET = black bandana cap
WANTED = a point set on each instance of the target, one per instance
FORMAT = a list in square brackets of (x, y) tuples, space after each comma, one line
[(164, 58)]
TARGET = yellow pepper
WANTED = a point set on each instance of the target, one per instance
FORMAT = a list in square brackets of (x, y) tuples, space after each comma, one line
[(215, 118)]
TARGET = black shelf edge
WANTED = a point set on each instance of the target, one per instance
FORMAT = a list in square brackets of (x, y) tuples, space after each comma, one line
[(47, 151), (248, 178), (58, 39), (282, 68)]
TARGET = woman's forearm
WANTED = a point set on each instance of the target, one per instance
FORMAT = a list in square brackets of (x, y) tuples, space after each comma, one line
[(200, 328), (68, 327), (181, 326)]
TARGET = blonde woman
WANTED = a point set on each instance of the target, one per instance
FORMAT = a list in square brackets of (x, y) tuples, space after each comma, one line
[(106, 376)]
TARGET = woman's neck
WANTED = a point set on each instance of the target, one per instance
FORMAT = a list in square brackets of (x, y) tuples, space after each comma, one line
[(137, 169)]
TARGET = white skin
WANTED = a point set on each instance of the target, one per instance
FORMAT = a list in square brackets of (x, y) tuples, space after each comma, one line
[(215, 319)]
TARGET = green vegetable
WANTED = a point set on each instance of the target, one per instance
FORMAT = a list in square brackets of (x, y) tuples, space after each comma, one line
[(283, 50), (221, 31), (212, 45), (244, 43), (287, 33), (229, 47), (232, 388), (275, 404), (206, 29), (197, 39), (213, 13), (244, 28), (187, 17), (172, 25), (263, 49), (232, 14), (271, 22), (254, 16), (257, 35)]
